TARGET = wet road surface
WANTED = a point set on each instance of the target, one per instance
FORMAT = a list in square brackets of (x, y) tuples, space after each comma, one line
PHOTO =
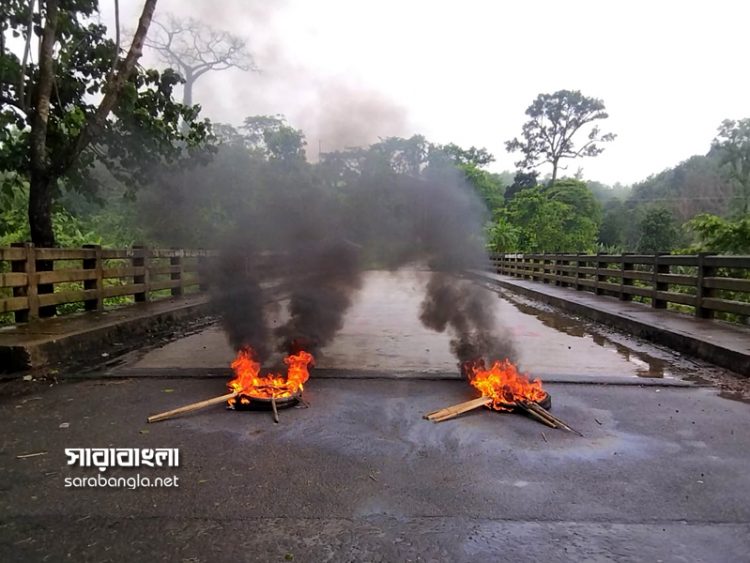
[(660, 474)]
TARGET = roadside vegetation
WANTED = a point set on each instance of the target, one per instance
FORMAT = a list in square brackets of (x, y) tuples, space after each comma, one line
[(117, 160)]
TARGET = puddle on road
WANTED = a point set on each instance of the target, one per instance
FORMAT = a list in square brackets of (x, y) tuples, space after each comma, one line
[(644, 365)]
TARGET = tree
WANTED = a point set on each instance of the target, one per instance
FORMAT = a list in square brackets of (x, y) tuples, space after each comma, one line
[(194, 48), (502, 236), (49, 127), (554, 120), (696, 185), (548, 223), (578, 196), (733, 145), (716, 234), (271, 137), (612, 230), (658, 231), (521, 181), (472, 155)]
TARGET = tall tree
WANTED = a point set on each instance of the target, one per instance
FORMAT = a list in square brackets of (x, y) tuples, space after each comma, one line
[(49, 127), (733, 146), (547, 137), (194, 48)]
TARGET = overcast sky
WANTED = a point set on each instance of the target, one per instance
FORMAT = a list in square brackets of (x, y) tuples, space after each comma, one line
[(350, 71)]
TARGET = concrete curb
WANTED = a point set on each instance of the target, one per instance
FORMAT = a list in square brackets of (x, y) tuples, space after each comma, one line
[(93, 336), (692, 344)]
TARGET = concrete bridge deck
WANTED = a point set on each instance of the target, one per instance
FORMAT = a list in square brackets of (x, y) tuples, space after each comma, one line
[(660, 474), (724, 344)]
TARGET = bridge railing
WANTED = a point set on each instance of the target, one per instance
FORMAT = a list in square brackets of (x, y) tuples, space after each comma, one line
[(705, 284), (42, 282)]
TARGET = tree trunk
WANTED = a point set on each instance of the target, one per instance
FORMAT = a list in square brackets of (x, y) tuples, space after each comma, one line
[(187, 90), (114, 86), (40, 223), (554, 172), (40, 194), (40, 210)]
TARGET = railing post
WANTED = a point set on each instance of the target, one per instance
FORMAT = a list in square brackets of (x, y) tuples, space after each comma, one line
[(563, 273), (657, 285), (599, 278), (177, 261), (626, 267), (141, 260), (43, 288), (96, 304), (555, 271), (578, 285), (701, 292), (28, 266)]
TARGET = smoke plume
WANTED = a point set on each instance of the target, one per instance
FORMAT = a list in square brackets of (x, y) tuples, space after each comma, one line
[(310, 248), (302, 237)]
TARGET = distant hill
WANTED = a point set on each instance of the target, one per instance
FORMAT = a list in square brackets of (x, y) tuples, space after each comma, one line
[(694, 186)]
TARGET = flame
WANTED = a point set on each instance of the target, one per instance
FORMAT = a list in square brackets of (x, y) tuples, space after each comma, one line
[(503, 383), (250, 383)]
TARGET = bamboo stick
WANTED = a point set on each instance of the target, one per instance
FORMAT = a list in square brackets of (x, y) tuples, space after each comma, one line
[(455, 410), (192, 407), (535, 415), (531, 408), (540, 410), (544, 412)]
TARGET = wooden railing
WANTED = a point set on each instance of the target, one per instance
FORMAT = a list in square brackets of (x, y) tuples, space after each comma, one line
[(35, 282), (709, 284)]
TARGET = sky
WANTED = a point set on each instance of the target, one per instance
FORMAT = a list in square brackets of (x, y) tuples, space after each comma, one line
[(349, 72)]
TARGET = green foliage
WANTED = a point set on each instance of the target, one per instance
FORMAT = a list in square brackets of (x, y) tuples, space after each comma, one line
[(14, 226), (70, 230), (560, 218), (696, 185), (146, 129), (578, 196), (502, 236), (488, 186), (658, 231), (272, 138), (732, 144), (521, 181), (472, 156), (554, 119), (719, 235), (614, 224)]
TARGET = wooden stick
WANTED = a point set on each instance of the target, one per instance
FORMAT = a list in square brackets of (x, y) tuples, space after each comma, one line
[(541, 411), (544, 412), (275, 412), (459, 408), (531, 408), (24, 456), (192, 407), (455, 410), (535, 415)]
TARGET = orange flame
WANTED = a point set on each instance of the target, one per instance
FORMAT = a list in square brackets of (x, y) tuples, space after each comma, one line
[(248, 380), (503, 383)]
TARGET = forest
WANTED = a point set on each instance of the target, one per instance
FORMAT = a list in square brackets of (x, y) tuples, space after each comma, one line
[(95, 148)]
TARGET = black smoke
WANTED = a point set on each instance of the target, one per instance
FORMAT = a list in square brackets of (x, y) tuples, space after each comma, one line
[(309, 244)]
